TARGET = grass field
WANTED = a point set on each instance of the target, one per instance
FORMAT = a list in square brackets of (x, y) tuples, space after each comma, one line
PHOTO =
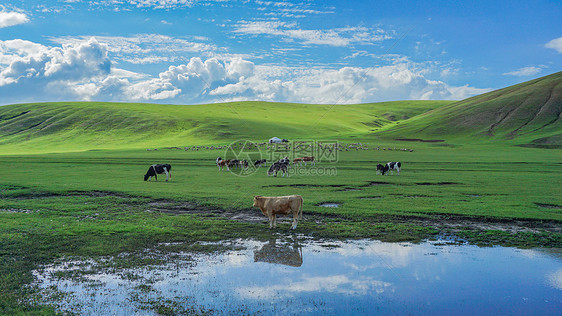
[(95, 203), (79, 126), (72, 182)]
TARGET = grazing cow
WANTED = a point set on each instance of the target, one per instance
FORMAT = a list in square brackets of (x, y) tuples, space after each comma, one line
[(243, 164), (309, 158), (304, 159), (234, 163), (282, 165), (223, 163), (282, 205), (394, 166), (260, 162), (382, 169), (158, 169)]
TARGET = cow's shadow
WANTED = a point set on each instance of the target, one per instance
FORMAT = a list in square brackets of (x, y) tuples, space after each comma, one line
[(286, 254)]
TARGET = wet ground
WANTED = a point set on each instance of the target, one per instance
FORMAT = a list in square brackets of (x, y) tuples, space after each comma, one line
[(303, 276)]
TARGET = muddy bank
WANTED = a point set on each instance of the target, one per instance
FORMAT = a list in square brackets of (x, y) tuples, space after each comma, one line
[(439, 221), (448, 224)]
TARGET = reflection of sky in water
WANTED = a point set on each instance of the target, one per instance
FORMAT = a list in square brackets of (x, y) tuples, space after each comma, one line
[(365, 277)]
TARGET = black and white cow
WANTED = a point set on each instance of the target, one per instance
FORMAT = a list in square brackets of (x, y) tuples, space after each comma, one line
[(382, 169), (158, 169), (260, 162), (394, 165), (282, 165)]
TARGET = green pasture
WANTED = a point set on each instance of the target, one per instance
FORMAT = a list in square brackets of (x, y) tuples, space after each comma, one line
[(78, 126), (72, 177), (490, 181), (95, 203)]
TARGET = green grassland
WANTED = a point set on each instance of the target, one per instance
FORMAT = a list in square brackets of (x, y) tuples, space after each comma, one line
[(79, 126), (524, 114), (72, 182)]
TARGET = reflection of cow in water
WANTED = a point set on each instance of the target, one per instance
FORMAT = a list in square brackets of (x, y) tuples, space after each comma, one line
[(280, 254)]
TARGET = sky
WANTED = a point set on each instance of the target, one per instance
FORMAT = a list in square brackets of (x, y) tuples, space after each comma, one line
[(308, 51)]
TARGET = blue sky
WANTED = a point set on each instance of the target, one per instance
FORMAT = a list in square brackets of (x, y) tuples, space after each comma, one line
[(190, 51)]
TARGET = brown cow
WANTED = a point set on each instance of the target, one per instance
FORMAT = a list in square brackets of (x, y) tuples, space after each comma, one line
[(223, 163), (304, 159), (309, 158), (297, 160), (283, 205)]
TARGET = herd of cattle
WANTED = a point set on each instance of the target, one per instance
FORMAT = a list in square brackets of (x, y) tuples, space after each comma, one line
[(337, 146), (280, 165), (271, 206)]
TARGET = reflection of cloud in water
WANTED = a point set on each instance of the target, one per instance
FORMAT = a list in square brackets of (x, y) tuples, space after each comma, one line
[(237, 259), (340, 284), (426, 278), (555, 279), (385, 255)]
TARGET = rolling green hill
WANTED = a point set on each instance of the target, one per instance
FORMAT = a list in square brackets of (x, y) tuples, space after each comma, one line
[(527, 113), (77, 126), (524, 114)]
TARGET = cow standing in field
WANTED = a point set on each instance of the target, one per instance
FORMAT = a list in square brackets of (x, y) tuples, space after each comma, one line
[(282, 205), (394, 166), (158, 169), (309, 159), (221, 163), (304, 160), (382, 169), (389, 167), (260, 162), (282, 165), (297, 161)]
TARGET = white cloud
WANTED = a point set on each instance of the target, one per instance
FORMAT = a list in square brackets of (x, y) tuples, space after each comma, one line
[(12, 18), (83, 70), (341, 284), (331, 37), (555, 279), (18, 48), (524, 72), (145, 48), (36, 71), (555, 44), (343, 86)]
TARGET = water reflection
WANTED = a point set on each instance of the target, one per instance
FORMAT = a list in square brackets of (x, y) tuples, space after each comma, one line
[(273, 252), (359, 277)]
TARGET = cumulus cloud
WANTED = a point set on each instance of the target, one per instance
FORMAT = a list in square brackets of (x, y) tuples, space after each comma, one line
[(192, 80), (524, 72), (83, 71), (341, 284), (35, 70), (144, 48), (555, 44), (346, 85), (12, 18)]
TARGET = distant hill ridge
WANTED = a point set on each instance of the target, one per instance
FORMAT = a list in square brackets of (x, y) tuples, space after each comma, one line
[(525, 114), (78, 126)]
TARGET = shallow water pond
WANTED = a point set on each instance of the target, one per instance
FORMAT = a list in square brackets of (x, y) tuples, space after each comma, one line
[(308, 277)]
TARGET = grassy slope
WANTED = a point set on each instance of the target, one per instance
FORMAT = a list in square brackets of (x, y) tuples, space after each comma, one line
[(76, 126), (525, 113), (481, 180)]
